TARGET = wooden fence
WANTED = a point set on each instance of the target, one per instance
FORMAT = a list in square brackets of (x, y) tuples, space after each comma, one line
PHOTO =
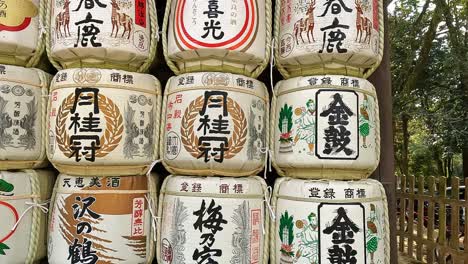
[(431, 219)]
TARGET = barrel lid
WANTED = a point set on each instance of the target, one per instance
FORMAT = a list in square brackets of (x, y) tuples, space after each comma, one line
[(216, 80), (21, 75), (328, 190), (104, 78), (95, 184), (219, 186), (323, 82)]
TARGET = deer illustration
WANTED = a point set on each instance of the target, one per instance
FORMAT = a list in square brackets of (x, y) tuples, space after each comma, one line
[(306, 24), (120, 19), (63, 20), (362, 24)]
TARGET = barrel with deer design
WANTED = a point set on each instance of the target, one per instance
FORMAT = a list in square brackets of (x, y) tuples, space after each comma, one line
[(23, 211), (115, 34), (23, 106), (229, 36), (213, 219), (103, 122), (328, 37), (214, 124), (103, 220), (325, 126), (21, 41), (318, 221)]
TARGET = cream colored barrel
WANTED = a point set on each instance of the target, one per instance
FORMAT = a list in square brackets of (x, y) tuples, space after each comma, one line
[(319, 220), (111, 216), (103, 122), (325, 127), (23, 211), (214, 124), (328, 37), (229, 36), (23, 106), (223, 220), (21, 23), (111, 34)]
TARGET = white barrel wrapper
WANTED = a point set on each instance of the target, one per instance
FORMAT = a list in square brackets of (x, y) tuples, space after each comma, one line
[(23, 106), (231, 36), (318, 221), (329, 37), (21, 40), (215, 124), (110, 217), (103, 122), (325, 126), (222, 219), (117, 34), (21, 193)]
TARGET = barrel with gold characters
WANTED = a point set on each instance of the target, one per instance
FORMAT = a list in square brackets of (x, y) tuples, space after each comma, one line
[(21, 29), (328, 37), (320, 220), (214, 124), (103, 219), (23, 210), (103, 122), (325, 127), (207, 35), (115, 34), (23, 106), (217, 218)]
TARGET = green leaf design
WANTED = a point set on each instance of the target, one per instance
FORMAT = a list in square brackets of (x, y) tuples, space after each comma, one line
[(285, 113), (286, 221), (5, 186), (2, 248)]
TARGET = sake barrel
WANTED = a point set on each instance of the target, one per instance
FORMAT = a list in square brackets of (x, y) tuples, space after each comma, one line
[(206, 35), (103, 122), (319, 221), (214, 124), (212, 219), (102, 220), (329, 37), (23, 229), (23, 106), (112, 34), (325, 126), (21, 40)]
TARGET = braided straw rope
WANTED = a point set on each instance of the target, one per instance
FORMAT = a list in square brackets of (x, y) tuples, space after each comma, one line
[(382, 198), (105, 64), (266, 216), (321, 69), (160, 217), (223, 67), (152, 186), (34, 60), (210, 172), (36, 217), (273, 124)]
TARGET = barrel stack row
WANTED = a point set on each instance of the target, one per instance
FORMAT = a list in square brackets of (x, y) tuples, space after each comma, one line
[(25, 186), (103, 120), (214, 125), (325, 134)]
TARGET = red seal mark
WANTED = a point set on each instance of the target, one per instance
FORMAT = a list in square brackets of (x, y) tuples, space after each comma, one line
[(20, 27), (15, 213)]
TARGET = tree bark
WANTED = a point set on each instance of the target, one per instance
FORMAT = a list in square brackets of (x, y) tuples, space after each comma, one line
[(465, 161), (404, 149)]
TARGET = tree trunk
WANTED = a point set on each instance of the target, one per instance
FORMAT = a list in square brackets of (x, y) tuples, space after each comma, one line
[(465, 161), (438, 161), (404, 149)]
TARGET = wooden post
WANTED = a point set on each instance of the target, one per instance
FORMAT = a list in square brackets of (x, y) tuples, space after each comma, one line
[(381, 79)]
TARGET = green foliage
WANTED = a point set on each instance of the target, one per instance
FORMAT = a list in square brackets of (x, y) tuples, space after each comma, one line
[(285, 113), (286, 221)]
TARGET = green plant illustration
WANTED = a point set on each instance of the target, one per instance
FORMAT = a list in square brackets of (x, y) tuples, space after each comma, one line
[(285, 123), (286, 233)]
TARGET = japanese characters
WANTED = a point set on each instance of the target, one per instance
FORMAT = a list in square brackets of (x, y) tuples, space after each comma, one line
[(235, 32), (97, 119), (216, 127), (321, 120)]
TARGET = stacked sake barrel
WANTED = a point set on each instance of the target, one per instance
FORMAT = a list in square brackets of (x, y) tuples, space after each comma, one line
[(325, 134), (103, 131), (24, 189), (214, 133)]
